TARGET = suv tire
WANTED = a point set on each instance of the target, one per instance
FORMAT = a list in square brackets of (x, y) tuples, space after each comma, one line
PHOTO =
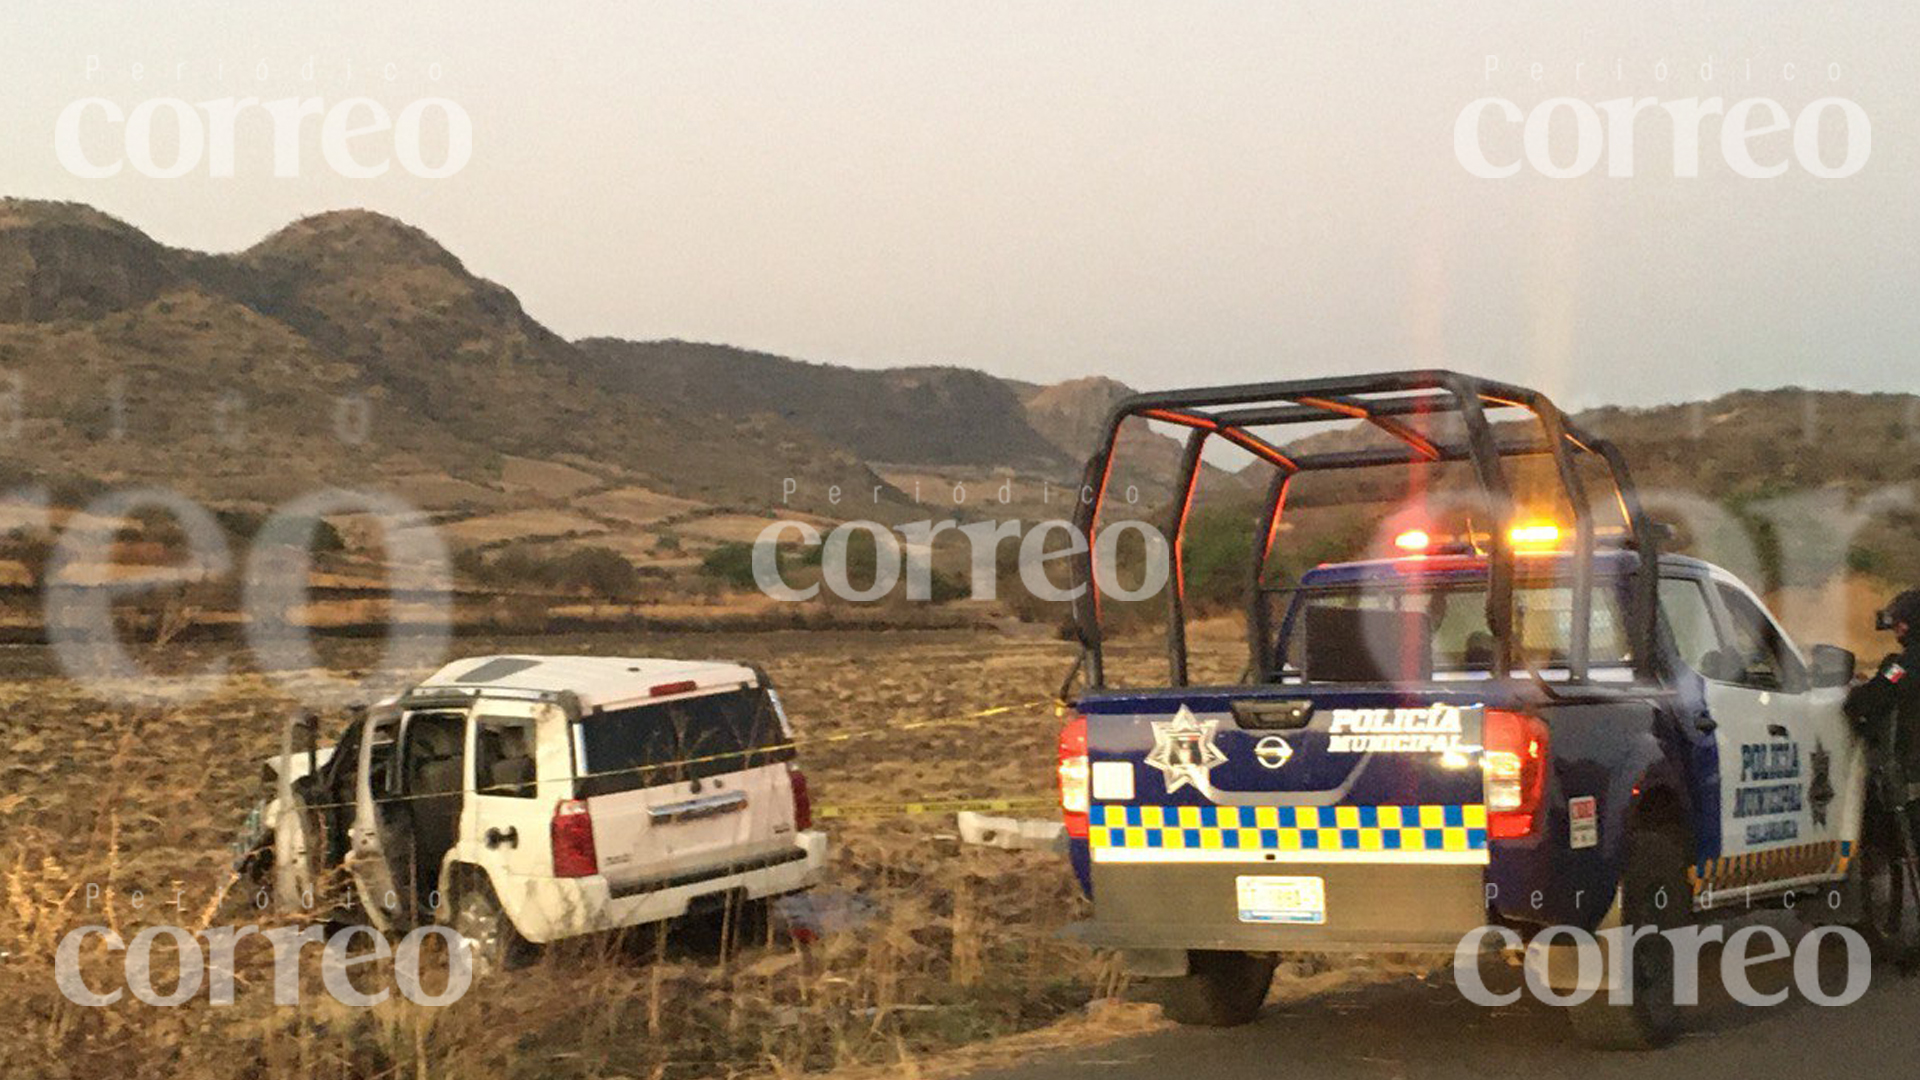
[(1656, 866), (490, 938), (1220, 989)]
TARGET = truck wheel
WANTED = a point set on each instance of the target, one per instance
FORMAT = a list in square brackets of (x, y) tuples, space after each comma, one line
[(1889, 912), (1220, 989), (744, 924), (491, 941), (1653, 892)]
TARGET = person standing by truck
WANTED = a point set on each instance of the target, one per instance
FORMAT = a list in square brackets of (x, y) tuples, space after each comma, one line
[(1886, 709), (1895, 687)]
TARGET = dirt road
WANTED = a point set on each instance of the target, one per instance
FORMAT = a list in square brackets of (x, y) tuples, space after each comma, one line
[(1428, 1031)]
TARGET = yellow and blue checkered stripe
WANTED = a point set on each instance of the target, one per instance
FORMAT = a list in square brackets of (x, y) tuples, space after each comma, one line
[(1759, 868), (1430, 833)]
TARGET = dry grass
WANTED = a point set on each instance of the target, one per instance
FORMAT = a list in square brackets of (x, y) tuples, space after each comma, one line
[(742, 528), (519, 525), (549, 478), (641, 506), (140, 802), (1839, 612)]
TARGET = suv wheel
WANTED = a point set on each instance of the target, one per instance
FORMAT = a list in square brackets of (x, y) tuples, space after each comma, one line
[(1220, 989), (1654, 891), (747, 924), (1889, 910), (487, 933)]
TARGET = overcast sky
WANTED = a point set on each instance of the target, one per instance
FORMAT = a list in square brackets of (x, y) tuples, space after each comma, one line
[(1165, 193)]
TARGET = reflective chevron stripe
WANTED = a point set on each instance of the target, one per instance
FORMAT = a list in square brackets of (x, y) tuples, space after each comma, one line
[(1288, 833), (1757, 868)]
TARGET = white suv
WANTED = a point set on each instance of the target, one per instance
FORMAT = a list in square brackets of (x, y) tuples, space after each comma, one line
[(532, 798)]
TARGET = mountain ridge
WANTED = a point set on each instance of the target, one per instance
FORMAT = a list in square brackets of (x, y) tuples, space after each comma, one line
[(226, 376)]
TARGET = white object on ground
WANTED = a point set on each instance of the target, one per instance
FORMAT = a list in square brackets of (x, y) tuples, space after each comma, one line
[(1011, 833)]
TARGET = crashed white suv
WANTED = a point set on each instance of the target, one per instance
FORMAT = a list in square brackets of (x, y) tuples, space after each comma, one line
[(531, 798)]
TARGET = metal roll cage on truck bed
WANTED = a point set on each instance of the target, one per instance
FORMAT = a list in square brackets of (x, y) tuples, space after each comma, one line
[(1229, 412), (1393, 774)]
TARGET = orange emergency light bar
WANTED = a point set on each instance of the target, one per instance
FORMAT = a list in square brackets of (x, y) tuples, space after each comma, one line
[(1540, 534), (1534, 535)]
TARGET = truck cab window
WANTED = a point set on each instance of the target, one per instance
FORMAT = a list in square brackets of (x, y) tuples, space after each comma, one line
[(1760, 656), (1689, 619), (1455, 633)]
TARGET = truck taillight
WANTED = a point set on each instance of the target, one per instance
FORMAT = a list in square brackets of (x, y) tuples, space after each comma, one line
[(802, 799), (1514, 766), (1074, 794), (573, 854)]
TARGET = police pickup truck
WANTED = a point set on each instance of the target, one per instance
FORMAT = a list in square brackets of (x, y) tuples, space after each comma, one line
[(1538, 720)]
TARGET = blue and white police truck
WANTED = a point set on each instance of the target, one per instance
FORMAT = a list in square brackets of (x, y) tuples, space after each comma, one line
[(1533, 719)]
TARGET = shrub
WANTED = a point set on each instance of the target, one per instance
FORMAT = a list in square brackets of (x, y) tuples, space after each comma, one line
[(598, 572), (731, 564)]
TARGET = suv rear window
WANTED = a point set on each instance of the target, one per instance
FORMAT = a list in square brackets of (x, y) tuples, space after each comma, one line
[(686, 739)]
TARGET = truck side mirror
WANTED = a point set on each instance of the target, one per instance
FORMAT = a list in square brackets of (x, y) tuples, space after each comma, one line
[(1833, 666)]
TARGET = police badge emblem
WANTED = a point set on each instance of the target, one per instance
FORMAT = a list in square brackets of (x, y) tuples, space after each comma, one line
[(1183, 750), (1820, 792)]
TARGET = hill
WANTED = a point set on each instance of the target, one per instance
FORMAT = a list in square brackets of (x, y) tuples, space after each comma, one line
[(933, 416), (347, 348)]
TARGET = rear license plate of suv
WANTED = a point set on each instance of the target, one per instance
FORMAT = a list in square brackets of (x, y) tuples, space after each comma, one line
[(1297, 900)]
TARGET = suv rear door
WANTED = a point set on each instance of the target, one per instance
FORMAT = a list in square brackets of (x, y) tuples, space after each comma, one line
[(685, 788), (507, 818)]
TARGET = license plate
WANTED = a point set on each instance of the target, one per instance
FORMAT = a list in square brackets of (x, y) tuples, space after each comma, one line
[(1295, 900)]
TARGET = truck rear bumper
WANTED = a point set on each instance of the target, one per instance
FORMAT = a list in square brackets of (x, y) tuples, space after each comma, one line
[(1370, 907)]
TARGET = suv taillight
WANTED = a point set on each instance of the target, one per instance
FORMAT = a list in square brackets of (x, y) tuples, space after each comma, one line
[(1515, 771), (573, 854), (1074, 795), (802, 799)]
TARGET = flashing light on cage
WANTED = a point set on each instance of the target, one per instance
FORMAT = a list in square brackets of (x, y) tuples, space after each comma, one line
[(1540, 534)]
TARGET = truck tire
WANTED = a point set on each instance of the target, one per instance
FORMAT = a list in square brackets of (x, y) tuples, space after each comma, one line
[(1654, 891), (749, 924), (1220, 989), (491, 940), (1889, 912)]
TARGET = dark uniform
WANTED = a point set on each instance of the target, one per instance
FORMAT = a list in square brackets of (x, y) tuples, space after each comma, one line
[(1895, 687)]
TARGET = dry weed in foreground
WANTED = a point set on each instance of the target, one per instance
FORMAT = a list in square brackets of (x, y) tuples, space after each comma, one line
[(961, 946), (886, 992)]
